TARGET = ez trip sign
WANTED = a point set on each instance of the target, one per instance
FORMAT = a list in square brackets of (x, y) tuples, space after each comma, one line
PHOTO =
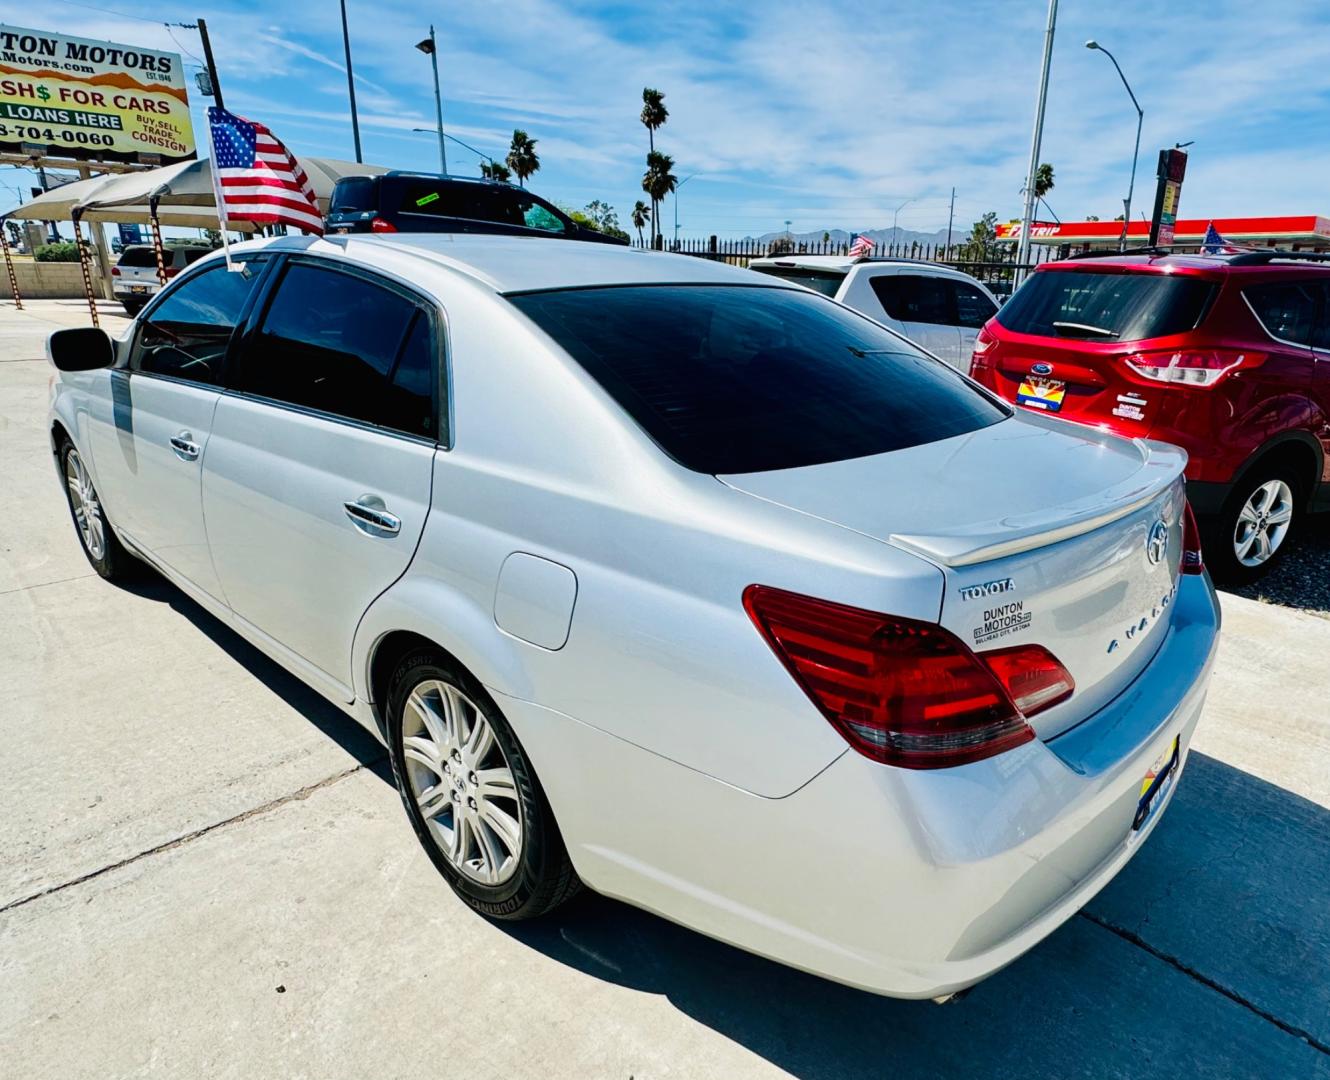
[(69, 97)]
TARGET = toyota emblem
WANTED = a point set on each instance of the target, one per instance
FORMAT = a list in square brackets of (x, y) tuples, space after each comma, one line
[(1156, 544)]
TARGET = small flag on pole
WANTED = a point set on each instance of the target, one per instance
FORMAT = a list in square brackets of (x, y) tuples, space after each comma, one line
[(1214, 244), (860, 246), (256, 177)]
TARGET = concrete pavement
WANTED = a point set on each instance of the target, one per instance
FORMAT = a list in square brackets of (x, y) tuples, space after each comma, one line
[(207, 873)]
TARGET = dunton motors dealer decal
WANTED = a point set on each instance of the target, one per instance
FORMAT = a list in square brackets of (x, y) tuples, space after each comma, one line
[(1001, 621), (1130, 407)]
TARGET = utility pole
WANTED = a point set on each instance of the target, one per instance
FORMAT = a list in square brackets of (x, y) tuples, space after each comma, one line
[(951, 216), (351, 84), (212, 66), (1027, 218)]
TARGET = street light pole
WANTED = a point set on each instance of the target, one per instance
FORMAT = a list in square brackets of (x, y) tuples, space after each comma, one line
[(459, 142), (351, 84), (429, 47), (1027, 218), (895, 238), (676, 205), (1140, 118)]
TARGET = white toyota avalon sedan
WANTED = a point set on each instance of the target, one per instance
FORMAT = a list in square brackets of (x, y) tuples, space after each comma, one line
[(693, 587)]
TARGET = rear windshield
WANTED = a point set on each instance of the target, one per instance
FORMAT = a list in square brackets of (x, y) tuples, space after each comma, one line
[(827, 282), (138, 256), (353, 193), (736, 379), (1106, 306)]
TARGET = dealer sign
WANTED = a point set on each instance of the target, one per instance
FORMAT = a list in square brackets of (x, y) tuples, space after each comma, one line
[(91, 100)]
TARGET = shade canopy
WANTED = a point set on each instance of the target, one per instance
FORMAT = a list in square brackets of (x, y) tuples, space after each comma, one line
[(184, 192)]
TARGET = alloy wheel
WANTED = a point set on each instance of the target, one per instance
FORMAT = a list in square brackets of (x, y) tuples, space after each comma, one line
[(87, 508), (461, 782), (1263, 522)]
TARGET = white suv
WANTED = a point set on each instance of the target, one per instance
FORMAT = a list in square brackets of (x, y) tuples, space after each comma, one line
[(134, 277), (934, 306)]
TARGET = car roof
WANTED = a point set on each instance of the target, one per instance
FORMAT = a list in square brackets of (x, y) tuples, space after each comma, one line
[(1244, 261), (513, 264), (844, 263)]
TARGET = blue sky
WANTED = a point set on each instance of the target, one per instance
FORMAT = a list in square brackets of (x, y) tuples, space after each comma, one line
[(829, 113)]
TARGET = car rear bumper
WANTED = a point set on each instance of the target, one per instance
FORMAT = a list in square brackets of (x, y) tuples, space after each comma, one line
[(908, 883), (127, 289)]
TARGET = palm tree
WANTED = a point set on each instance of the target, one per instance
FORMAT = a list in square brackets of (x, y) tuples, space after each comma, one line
[(658, 181), (1043, 180), (522, 157), (492, 170), (641, 216), (654, 114)]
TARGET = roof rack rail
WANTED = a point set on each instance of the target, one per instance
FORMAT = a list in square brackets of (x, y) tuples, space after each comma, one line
[(1269, 255), (1126, 251)]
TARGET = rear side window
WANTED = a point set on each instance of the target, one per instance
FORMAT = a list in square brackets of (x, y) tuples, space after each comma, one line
[(827, 282), (1105, 306), (186, 335), (1287, 310), (736, 379), (916, 298), (472, 202), (338, 343), (973, 308)]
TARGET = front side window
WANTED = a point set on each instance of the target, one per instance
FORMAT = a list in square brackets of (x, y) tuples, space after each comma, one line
[(1287, 310), (341, 344), (916, 298), (186, 335), (736, 379)]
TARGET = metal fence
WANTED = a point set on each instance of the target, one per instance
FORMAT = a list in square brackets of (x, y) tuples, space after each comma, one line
[(995, 265)]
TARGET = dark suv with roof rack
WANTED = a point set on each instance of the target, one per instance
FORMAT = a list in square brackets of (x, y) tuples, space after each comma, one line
[(430, 202), (1226, 356)]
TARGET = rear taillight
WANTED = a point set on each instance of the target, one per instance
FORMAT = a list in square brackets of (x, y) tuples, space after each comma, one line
[(1192, 560), (1192, 367), (982, 343), (904, 692), (379, 224), (171, 271), (115, 271)]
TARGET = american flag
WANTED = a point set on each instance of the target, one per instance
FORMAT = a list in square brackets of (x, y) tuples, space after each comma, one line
[(861, 246), (1214, 244), (256, 177)]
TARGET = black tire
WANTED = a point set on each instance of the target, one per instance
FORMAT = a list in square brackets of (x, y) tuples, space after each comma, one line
[(1219, 533), (113, 562), (544, 877)]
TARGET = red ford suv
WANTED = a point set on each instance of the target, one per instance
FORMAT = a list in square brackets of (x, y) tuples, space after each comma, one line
[(1226, 356)]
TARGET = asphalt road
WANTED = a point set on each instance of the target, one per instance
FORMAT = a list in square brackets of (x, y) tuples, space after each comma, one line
[(206, 872)]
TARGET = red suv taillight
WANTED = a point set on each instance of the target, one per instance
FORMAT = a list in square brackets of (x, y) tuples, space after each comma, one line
[(1192, 367), (1192, 560), (983, 341), (379, 224), (905, 692)]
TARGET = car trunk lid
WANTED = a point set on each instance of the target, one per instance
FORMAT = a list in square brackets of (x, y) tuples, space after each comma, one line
[(1045, 534)]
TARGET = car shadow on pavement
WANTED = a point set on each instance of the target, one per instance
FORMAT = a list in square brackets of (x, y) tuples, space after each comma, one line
[(1302, 580), (322, 714), (1186, 965)]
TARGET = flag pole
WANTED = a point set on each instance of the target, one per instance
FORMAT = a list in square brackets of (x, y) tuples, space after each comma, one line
[(217, 188)]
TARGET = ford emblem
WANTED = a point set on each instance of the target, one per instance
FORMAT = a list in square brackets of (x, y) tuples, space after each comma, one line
[(1041, 369)]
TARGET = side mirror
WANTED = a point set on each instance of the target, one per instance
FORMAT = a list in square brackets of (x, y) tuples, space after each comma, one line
[(80, 348)]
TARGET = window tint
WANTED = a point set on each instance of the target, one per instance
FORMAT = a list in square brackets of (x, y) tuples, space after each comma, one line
[(535, 216), (1106, 306), (186, 335), (916, 298), (1321, 332), (338, 343), (827, 282), (353, 193), (973, 308), (140, 256), (1287, 310), (734, 379)]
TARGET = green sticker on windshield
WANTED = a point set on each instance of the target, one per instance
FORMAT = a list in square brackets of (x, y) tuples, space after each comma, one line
[(425, 199)]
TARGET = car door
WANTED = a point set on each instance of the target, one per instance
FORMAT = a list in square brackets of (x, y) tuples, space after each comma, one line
[(1321, 380), (318, 472), (925, 307), (974, 307), (149, 437)]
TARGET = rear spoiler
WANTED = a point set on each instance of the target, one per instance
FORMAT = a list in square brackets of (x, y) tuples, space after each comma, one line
[(1161, 466)]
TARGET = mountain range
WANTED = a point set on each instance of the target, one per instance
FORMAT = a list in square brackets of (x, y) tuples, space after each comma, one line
[(881, 237)]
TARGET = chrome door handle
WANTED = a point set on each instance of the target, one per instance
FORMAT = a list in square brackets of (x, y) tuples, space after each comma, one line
[(368, 515), (184, 446)]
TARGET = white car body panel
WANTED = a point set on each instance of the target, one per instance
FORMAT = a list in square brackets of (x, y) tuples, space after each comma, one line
[(688, 772)]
